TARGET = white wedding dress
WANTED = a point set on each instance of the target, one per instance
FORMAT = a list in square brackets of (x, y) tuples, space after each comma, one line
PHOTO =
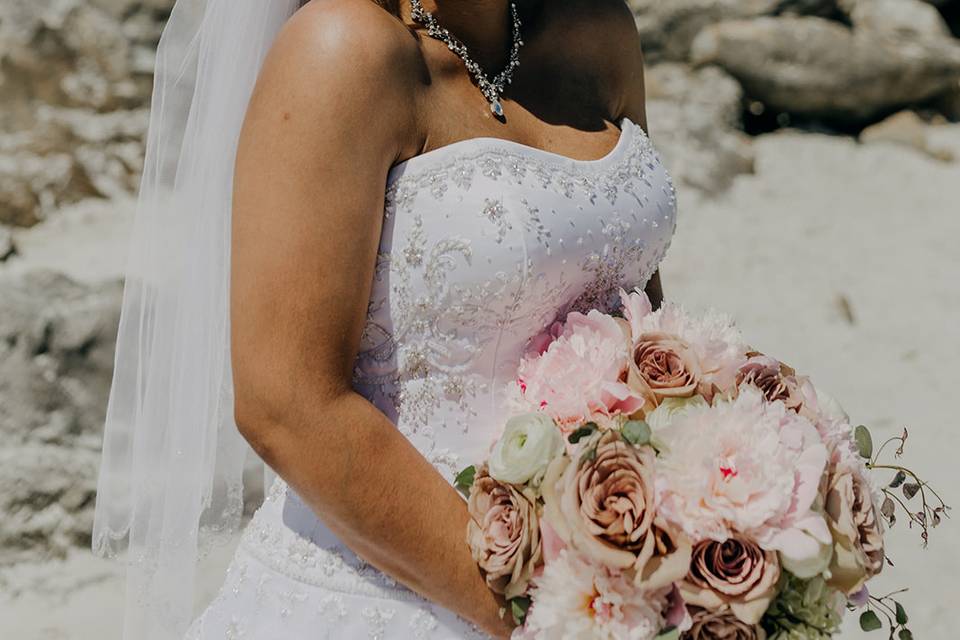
[(484, 243)]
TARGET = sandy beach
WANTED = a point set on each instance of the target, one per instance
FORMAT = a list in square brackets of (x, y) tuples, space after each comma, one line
[(838, 257)]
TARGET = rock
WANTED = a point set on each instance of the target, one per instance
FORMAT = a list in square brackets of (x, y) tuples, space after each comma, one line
[(667, 29), (907, 129), (80, 53), (695, 116), (46, 500), (75, 82), (69, 155), (32, 185), (7, 247), (56, 357), (817, 68), (904, 18), (948, 104)]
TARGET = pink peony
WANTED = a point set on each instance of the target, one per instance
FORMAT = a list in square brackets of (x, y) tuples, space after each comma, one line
[(579, 377), (745, 466), (714, 339), (575, 598)]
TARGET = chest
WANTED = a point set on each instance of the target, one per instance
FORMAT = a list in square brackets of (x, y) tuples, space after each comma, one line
[(489, 237)]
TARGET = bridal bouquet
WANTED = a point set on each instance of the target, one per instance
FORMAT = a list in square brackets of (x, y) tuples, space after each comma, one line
[(660, 479)]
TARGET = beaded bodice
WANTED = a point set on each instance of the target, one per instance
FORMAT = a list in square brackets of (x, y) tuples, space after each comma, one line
[(484, 243)]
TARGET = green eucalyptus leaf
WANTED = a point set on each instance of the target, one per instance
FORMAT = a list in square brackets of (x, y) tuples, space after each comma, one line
[(864, 441), (464, 480), (905, 634), (518, 608), (637, 432), (670, 633), (582, 432), (870, 621), (901, 614)]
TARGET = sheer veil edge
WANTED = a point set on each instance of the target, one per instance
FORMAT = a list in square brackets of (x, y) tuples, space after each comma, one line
[(171, 479)]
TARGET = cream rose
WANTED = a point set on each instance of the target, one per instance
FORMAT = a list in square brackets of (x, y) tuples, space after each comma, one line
[(735, 573), (503, 534), (605, 507), (722, 625), (858, 553), (528, 444), (663, 366)]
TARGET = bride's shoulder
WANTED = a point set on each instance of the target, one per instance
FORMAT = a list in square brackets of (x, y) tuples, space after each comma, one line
[(352, 32), (342, 61), (335, 41)]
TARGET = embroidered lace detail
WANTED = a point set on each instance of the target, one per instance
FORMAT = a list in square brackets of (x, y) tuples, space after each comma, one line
[(292, 555)]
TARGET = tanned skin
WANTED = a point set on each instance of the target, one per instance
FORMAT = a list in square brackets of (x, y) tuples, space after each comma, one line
[(347, 91)]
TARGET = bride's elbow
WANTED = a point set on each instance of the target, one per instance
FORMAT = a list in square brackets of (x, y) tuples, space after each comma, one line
[(262, 433)]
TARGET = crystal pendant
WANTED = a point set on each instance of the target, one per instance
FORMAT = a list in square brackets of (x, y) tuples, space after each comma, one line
[(496, 108)]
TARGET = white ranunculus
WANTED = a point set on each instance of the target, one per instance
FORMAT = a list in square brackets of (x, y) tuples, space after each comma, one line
[(669, 410), (806, 568), (528, 444)]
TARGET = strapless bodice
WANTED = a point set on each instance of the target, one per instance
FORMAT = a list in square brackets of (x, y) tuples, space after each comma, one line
[(484, 243)]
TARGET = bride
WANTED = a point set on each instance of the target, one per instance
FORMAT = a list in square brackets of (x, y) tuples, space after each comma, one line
[(419, 187)]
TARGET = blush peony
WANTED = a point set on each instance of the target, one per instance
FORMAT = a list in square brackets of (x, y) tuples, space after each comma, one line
[(579, 377), (575, 599), (745, 466)]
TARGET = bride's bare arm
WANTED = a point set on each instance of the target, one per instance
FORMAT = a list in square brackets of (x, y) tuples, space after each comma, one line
[(331, 112)]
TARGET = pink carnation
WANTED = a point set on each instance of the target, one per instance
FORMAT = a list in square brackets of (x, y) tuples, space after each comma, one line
[(580, 375), (745, 466)]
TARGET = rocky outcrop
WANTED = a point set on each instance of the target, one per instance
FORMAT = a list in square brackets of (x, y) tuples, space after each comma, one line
[(902, 18), (669, 28), (818, 68), (75, 78), (56, 357)]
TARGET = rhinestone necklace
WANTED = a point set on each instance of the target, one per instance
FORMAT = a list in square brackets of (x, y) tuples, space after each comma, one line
[(493, 88)]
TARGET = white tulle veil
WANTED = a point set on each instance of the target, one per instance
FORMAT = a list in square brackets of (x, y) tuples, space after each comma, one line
[(171, 477)]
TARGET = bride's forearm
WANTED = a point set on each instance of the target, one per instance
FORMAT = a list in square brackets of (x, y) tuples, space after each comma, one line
[(379, 495)]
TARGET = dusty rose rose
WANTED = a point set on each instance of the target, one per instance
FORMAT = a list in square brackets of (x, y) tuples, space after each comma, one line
[(776, 380), (735, 573), (722, 625), (663, 366), (712, 336), (503, 534), (857, 535), (605, 508)]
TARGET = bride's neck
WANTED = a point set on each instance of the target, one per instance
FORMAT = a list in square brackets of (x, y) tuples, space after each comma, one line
[(483, 26)]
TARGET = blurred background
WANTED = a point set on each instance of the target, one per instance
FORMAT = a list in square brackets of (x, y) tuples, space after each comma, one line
[(816, 150)]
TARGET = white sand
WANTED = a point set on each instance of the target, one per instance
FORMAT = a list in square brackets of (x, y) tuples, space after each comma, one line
[(822, 218)]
